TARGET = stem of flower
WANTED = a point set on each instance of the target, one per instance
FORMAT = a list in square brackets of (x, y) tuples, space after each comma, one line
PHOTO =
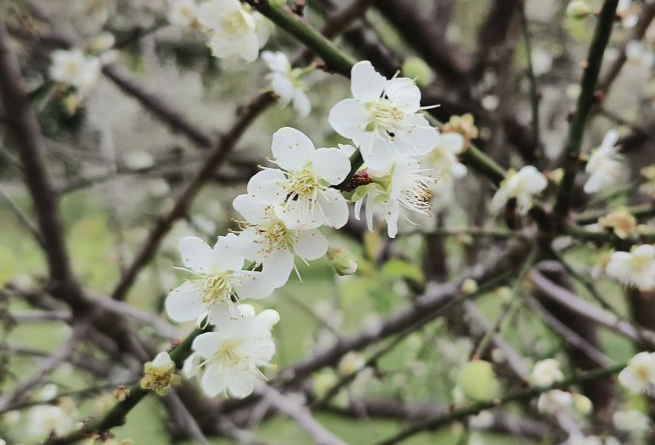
[(585, 102), (439, 421), (117, 414)]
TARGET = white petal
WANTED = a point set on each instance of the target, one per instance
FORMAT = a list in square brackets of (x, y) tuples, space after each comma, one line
[(331, 165), (349, 118), (266, 186), (221, 47), (227, 254), (451, 142), (282, 87), (276, 61), (249, 47), (262, 28), (291, 148), (207, 344), (366, 83), (251, 208), (403, 93), (184, 303), (310, 244), (334, 208), (301, 103), (392, 212), (255, 285), (419, 138), (278, 267), (213, 381), (196, 254), (240, 386)]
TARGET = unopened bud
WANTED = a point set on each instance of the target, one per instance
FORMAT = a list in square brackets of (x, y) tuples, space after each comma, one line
[(478, 381), (469, 286), (101, 42), (578, 9), (416, 68), (582, 404), (342, 261)]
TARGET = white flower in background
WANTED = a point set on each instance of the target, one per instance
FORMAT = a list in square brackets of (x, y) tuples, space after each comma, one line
[(217, 280), (579, 439), (633, 421), (75, 68), (628, 13), (555, 402), (266, 240), (383, 117), (234, 30), (481, 421), (230, 358), (634, 268), (522, 186), (182, 13), (302, 194), (637, 54), (286, 82), (639, 375), (44, 420), (351, 363), (443, 159), (405, 185), (605, 165), (546, 372)]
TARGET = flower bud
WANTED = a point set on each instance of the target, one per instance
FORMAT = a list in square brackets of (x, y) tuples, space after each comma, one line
[(582, 404), (478, 381), (351, 363), (469, 286), (578, 9), (416, 68), (158, 374), (102, 42), (342, 261)]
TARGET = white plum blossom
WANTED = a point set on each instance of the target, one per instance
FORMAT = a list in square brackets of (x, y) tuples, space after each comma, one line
[(286, 82), (227, 361), (383, 118), (75, 68), (233, 28), (631, 420), (605, 165), (522, 186), (555, 402), (546, 372), (634, 268), (44, 420), (405, 185), (639, 55), (443, 159), (182, 13), (217, 280), (158, 374), (267, 241), (302, 192), (639, 375)]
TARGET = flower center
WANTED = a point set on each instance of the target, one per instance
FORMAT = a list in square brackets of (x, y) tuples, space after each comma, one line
[(234, 23), (218, 288), (643, 373), (304, 184), (72, 69), (385, 116), (277, 235), (227, 354)]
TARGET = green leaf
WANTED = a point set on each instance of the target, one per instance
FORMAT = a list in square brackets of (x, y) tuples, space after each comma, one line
[(401, 269)]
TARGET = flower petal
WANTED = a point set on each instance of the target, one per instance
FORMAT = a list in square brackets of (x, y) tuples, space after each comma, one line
[(266, 186), (403, 93), (196, 254), (331, 164), (334, 208), (184, 303), (227, 255), (301, 103), (310, 244), (366, 83), (291, 148), (213, 380), (255, 285), (251, 208), (278, 267), (349, 118)]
